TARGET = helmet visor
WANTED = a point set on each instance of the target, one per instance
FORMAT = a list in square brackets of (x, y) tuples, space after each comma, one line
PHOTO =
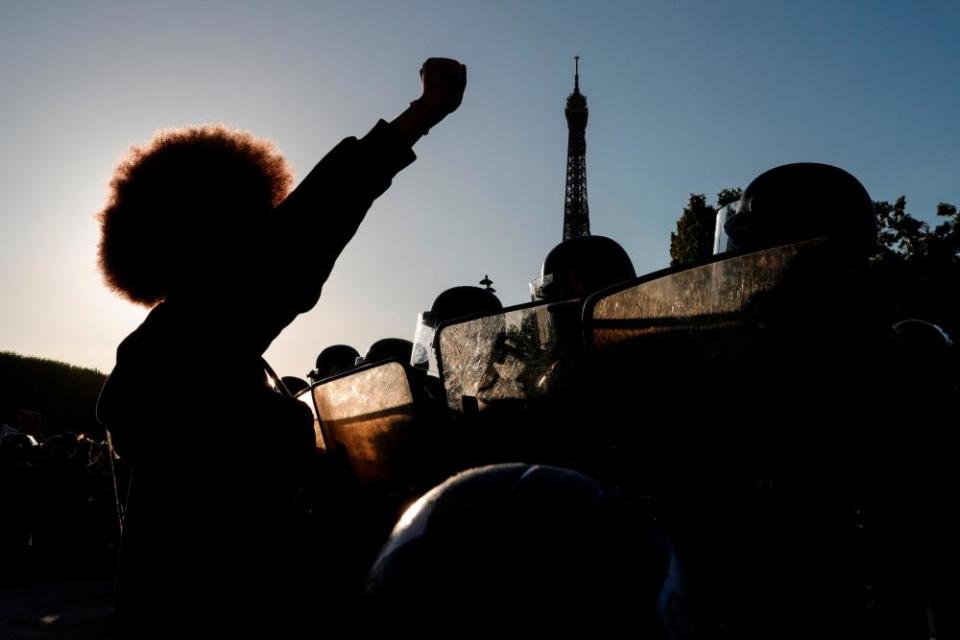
[(540, 287), (722, 242), (424, 355)]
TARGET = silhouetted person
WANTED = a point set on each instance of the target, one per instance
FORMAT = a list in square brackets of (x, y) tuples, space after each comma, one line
[(798, 402), (333, 359), (198, 226), (18, 507)]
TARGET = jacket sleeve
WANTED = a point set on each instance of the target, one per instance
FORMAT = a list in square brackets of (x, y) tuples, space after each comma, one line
[(316, 221)]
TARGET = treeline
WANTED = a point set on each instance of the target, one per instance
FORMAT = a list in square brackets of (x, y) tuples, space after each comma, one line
[(65, 396)]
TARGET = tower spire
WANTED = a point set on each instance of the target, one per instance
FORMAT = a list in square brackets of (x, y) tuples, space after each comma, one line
[(576, 212)]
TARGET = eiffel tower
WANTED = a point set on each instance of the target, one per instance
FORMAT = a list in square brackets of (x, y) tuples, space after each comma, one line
[(576, 212)]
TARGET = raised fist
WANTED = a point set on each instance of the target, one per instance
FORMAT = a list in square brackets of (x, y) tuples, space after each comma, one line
[(443, 83)]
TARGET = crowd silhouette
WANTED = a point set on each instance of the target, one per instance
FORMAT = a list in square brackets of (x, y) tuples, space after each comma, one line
[(60, 510)]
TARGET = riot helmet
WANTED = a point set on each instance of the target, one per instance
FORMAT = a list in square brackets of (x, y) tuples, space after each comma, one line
[(536, 549), (796, 202), (581, 266), (920, 336), (389, 349), (294, 384), (456, 302), (930, 365), (925, 347), (15, 443), (333, 359)]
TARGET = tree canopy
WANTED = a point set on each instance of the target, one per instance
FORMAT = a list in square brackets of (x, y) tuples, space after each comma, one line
[(65, 396), (916, 268), (693, 240)]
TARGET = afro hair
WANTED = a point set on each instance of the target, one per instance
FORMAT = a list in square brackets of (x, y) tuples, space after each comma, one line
[(173, 202)]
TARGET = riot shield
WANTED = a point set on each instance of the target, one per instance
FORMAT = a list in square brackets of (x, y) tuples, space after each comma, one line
[(720, 391), (685, 369), (366, 416), (698, 313), (506, 357)]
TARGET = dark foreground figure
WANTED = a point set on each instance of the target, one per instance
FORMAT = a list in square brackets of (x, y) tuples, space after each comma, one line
[(535, 551), (198, 226)]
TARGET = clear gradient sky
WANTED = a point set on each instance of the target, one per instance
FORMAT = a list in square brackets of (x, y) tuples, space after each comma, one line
[(684, 97)]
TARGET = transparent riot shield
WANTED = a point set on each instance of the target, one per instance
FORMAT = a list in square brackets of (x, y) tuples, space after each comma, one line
[(514, 355), (701, 303), (684, 369), (366, 416), (735, 392)]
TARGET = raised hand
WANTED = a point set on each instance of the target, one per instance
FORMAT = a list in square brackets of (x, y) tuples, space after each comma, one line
[(444, 81)]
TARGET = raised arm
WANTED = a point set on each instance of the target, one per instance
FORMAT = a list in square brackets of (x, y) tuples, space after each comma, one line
[(313, 225)]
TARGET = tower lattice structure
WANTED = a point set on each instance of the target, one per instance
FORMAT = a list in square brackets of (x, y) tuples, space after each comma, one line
[(576, 211)]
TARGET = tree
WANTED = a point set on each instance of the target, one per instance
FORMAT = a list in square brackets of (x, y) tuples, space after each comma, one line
[(901, 236), (693, 240), (728, 195), (64, 395), (916, 269)]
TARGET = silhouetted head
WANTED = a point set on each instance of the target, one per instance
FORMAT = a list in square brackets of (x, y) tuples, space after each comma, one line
[(184, 210), (797, 202), (925, 345), (929, 362), (920, 336), (332, 360), (294, 384), (389, 349), (530, 550), (16, 444), (576, 268), (456, 302)]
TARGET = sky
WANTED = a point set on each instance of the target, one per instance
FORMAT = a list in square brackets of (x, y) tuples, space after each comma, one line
[(684, 97)]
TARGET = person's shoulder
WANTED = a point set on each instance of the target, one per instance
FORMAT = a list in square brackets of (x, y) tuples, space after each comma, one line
[(153, 347), (147, 364)]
